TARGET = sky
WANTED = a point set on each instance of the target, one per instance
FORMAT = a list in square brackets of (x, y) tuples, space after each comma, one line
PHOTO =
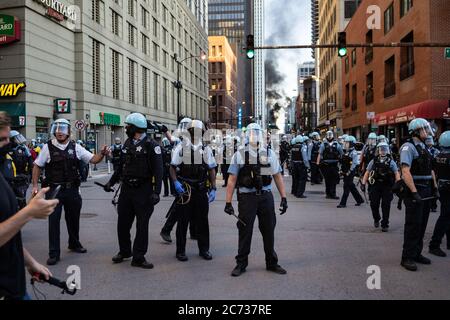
[(287, 22)]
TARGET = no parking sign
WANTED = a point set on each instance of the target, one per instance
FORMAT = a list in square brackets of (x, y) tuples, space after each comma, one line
[(80, 125)]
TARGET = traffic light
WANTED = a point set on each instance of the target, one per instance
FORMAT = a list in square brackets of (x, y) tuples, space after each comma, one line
[(342, 44), (250, 49)]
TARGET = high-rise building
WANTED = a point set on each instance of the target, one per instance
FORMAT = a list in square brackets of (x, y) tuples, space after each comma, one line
[(314, 24), (334, 16), (304, 71), (259, 82), (222, 83), (118, 61), (233, 19)]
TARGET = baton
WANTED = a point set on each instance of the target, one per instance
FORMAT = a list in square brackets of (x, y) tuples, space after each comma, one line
[(240, 220), (103, 186)]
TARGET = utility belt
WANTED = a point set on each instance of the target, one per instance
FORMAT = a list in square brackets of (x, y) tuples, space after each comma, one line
[(197, 185), (254, 193), (20, 180), (64, 185), (135, 182), (424, 183), (329, 163)]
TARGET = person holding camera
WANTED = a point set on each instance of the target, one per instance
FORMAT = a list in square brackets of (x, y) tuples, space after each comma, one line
[(13, 256)]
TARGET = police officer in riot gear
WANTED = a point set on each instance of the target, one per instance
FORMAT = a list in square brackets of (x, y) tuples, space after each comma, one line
[(167, 156), (429, 142), (316, 177), (381, 174), (229, 148), (418, 176), (61, 158), (442, 170), (251, 170), (116, 151), (368, 152), (330, 153), (284, 152), (292, 170), (197, 178), (300, 162), (349, 166), (140, 170), (23, 163)]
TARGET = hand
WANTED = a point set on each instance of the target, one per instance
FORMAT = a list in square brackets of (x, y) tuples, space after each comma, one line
[(179, 187), (39, 208), (108, 187), (283, 206), (37, 269), (229, 208), (212, 195), (164, 129), (34, 191), (416, 197), (105, 150), (363, 187), (155, 198)]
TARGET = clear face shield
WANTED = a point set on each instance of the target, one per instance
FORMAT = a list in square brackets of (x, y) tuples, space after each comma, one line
[(254, 136), (348, 145), (427, 130), (330, 136), (383, 151), (60, 128), (19, 139), (372, 142)]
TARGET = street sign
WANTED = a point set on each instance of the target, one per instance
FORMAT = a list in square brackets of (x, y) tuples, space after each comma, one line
[(80, 125), (328, 122), (370, 115), (447, 53), (331, 104)]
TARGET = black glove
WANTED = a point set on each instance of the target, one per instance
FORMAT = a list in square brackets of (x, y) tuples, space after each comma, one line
[(155, 198), (229, 208), (363, 188), (108, 187), (416, 198), (164, 129), (283, 206)]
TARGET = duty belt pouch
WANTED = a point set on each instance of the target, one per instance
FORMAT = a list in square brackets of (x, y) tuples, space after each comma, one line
[(444, 185)]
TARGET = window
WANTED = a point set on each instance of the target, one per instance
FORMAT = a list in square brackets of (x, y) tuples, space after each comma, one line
[(165, 59), (165, 94), (155, 90), (132, 32), (369, 88), (389, 18), (369, 51), (116, 66), (220, 67), (220, 51), (354, 57), (97, 49), (389, 77), (407, 67), (145, 75), (155, 5), (347, 95), (155, 51), (350, 8), (144, 17), (347, 65), (116, 25), (131, 81), (213, 67), (145, 41), (155, 28), (354, 97), (405, 6), (98, 11), (132, 8), (213, 51)]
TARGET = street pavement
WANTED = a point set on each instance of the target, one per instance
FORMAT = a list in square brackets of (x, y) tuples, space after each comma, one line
[(325, 250)]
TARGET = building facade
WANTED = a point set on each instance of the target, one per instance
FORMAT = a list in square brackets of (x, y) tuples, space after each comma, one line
[(397, 84), (314, 24), (334, 16), (115, 58), (304, 71), (259, 81), (308, 111), (222, 83)]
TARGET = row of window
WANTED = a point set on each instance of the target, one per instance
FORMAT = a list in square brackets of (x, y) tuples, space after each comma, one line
[(162, 91)]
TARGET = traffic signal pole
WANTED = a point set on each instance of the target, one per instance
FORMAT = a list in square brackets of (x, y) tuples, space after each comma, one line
[(359, 45)]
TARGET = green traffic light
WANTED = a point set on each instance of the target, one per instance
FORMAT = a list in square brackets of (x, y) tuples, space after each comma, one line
[(250, 54), (342, 52)]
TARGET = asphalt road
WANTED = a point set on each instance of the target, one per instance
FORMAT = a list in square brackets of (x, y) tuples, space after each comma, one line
[(325, 250)]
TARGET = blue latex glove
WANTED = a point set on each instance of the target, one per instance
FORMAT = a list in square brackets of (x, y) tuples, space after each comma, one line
[(179, 187), (212, 195)]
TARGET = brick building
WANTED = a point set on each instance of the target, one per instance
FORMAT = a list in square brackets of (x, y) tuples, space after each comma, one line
[(398, 84)]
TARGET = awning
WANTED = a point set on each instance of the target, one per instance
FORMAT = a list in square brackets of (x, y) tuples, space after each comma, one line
[(430, 109)]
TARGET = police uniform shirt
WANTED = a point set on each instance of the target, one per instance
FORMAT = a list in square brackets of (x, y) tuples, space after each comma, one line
[(408, 153), (306, 155), (237, 163), (177, 154), (338, 147), (44, 155), (393, 166), (355, 159), (310, 147)]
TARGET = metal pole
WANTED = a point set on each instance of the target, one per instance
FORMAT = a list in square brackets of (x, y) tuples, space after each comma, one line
[(328, 101), (178, 87), (217, 111), (361, 45)]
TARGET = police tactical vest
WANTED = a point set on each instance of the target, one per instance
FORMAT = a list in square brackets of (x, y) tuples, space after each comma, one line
[(197, 172), (315, 151), (383, 173), (346, 162), (20, 159), (167, 154), (117, 150), (369, 154), (331, 151), (63, 166), (137, 159), (442, 165), (250, 175), (423, 165), (296, 153)]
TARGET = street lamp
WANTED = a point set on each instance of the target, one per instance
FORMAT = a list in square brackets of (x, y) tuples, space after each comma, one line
[(177, 84)]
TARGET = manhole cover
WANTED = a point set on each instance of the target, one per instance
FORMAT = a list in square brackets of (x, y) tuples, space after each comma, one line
[(88, 215), (315, 192)]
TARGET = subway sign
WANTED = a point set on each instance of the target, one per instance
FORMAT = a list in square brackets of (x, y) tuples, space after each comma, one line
[(11, 89), (9, 29)]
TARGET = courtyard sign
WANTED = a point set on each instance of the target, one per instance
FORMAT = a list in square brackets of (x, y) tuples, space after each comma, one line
[(9, 29), (59, 10)]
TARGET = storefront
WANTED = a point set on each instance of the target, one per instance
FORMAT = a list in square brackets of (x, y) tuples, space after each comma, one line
[(394, 124), (16, 110)]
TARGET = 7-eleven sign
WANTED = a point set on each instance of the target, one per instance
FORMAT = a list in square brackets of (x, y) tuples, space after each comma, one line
[(62, 105)]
